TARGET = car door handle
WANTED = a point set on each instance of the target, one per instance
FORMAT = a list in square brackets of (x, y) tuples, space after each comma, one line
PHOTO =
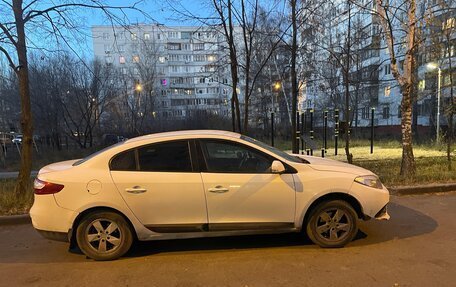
[(136, 190), (218, 189)]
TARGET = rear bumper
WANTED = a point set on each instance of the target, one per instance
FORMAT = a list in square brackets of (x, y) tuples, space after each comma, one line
[(47, 216)]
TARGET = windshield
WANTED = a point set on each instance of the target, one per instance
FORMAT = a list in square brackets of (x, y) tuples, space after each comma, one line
[(96, 153), (278, 152)]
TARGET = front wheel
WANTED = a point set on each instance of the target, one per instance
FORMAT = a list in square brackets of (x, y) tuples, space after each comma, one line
[(104, 235), (332, 224)]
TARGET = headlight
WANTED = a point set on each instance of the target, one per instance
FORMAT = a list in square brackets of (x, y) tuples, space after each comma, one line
[(369, 180)]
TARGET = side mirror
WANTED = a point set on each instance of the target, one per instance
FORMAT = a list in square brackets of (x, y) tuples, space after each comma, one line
[(277, 167)]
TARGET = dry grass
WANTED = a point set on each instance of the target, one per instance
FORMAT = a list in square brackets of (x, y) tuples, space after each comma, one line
[(9, 203), (431, 162)]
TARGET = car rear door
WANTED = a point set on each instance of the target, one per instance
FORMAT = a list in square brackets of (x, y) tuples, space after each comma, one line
[(161, 186), (241, 191)]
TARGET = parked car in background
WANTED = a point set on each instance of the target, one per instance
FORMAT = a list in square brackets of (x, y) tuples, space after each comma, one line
[(17, 139), (205, 183)]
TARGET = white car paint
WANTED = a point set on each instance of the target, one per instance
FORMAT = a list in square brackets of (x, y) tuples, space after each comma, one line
[(188, 199)]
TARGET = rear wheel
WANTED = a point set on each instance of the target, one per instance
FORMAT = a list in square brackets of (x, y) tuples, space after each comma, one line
[(104, 235), (332, 224)]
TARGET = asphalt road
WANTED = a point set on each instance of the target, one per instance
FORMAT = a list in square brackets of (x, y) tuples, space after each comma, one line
[(417, 247)]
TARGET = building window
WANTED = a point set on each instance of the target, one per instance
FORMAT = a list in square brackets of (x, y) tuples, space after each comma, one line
[(146, 36), (122, 60), (161, 59), (387, 69), (108, 59), (121, 48), (365, 113), (399, 111), (124, 71), (198, 47), (135, 59), (174, 57), (199, 58), (387, 91), (448, 24), (107, 48), (173, 35), (105, 36), (211, 58), (186, 35), (386, 112), (135, 71), (186, 47), (174, 46), (422, 85), (134, 36)]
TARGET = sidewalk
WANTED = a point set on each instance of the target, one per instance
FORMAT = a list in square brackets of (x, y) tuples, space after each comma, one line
[(13, 174)]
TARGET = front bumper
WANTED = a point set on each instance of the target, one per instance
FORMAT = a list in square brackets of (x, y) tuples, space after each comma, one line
[(373, 201)]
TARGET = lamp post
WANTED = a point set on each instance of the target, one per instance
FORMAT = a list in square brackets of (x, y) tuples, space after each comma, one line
[(431, 67)]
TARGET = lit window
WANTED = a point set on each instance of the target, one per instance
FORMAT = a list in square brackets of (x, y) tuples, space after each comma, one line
[(161, 59), (146, 36), (387, 91), (122, 59), (422, 85), (211, 58), (135, 59), (134, 36)]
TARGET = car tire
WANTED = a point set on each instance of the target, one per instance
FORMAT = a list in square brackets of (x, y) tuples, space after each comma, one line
[(332, 224), (104, 235)]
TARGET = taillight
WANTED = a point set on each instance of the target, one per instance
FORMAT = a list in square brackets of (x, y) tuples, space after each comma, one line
[(44, 187)]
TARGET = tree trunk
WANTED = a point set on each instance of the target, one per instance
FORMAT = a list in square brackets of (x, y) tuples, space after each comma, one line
[(294, 80), (408, 167), (347, 91), (23, 179)]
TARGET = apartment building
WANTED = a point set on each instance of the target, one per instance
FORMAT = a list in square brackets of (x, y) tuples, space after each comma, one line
[(353, 30), (180, 69)]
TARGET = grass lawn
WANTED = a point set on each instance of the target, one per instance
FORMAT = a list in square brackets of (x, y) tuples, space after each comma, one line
[(9, 203), (431, 164)]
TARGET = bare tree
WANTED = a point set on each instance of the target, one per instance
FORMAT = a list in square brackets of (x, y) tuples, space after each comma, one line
[(389, 19), (13, 40)]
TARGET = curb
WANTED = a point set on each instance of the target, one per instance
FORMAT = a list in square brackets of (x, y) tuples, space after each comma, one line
[(15, 219), (422, 189)]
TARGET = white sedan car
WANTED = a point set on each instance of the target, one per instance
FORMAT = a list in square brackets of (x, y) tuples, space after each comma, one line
[(197, 184)]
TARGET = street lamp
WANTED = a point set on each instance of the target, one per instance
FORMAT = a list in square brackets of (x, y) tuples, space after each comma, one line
[(432, 67)]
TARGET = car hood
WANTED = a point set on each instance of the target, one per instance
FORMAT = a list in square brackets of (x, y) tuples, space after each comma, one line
[(58, 166), (325, 164)]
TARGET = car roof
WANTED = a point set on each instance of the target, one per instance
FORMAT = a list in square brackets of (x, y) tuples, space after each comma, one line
[(192, 133)]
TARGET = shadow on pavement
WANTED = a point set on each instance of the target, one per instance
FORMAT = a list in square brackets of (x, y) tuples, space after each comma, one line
[(404, 223), (21, 244)]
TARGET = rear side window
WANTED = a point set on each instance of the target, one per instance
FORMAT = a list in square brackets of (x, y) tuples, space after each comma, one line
[(167, 157), (124, 161)]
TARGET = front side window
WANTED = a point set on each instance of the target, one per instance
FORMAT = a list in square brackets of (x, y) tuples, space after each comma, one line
[(230, 157), (165, 157)]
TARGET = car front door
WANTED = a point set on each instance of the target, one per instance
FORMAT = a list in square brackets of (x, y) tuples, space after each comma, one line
[(241, 191), (161, 186)]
